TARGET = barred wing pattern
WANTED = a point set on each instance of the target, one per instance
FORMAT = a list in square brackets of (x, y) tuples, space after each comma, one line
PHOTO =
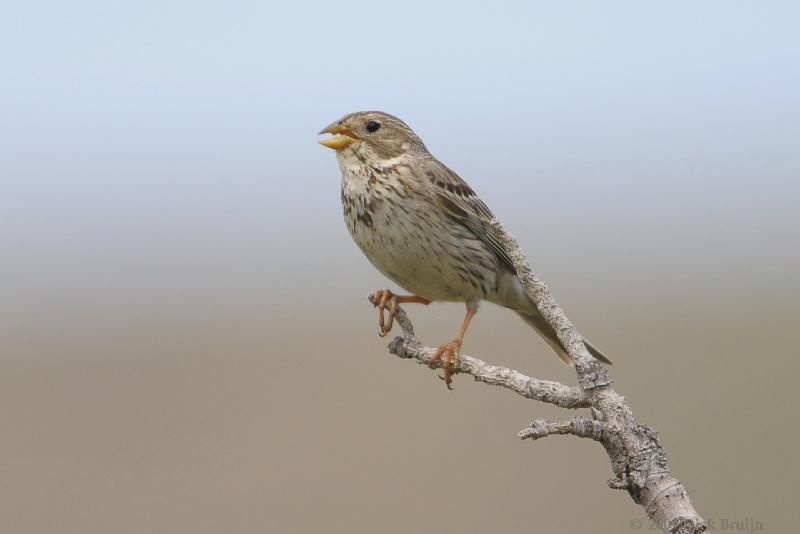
[(458, 200)]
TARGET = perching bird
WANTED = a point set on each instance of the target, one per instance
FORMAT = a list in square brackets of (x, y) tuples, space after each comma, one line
[(424, 228)]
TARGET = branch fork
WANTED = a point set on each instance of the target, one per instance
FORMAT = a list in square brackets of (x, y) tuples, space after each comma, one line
[(637, 456)]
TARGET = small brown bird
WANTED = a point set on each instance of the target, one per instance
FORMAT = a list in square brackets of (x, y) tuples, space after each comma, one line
[(424, 228)]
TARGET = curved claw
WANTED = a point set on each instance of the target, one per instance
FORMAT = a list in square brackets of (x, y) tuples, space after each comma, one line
[(380, 299), (446, 383), (450, 355), (384, 298), (384, 327)]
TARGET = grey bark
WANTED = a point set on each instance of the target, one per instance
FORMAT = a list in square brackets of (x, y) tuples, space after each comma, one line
[(637, 456)]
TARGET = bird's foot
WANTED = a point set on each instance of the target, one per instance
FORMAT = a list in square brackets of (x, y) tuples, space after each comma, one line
[(385, 300), (382, 299), (450, 356)]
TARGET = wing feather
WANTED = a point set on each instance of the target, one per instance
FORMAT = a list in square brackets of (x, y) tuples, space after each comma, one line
[(458, 200)]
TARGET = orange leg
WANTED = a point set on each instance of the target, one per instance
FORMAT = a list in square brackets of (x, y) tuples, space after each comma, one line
[(450, 353), (384, 298)]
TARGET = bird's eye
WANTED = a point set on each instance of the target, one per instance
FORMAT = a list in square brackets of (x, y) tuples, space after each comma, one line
[(373, 126)]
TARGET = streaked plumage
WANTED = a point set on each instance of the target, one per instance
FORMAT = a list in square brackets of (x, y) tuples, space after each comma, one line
[(421, 225)]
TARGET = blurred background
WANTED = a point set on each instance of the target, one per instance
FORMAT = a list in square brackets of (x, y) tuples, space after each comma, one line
[(185, 343)]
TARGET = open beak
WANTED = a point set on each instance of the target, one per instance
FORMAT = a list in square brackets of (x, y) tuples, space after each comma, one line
[(342, 137)]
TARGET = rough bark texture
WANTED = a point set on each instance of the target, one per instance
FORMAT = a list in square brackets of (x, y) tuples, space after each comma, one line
[(637, 456)]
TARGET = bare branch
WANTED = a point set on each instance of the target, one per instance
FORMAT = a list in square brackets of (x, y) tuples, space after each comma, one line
[(577, 426), (529, 387), (637, 456)]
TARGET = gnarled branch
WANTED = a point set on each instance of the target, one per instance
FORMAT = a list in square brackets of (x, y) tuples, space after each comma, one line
[(529, 387), (577, 426), (637, 456)]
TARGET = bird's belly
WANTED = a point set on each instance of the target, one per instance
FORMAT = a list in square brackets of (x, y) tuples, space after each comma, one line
[(422, 250)]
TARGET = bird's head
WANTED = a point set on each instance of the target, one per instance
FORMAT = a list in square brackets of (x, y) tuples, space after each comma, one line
[(371, 135)]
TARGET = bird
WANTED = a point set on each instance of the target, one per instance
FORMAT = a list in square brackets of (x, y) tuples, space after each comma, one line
[(424, 228)]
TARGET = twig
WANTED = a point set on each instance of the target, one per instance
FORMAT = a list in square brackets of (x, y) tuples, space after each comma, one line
[(529, 387), (637, 456)]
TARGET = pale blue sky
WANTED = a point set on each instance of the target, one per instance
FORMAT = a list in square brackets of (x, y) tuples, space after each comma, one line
[(133, 129), (622, 79)]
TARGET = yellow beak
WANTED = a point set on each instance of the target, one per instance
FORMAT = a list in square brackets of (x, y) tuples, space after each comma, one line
[(343, 137)]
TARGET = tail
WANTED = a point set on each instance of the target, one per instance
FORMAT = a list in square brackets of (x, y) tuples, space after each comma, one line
[(538, 323)]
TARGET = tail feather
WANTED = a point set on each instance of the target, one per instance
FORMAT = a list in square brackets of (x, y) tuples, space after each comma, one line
[(538, 323), (594, 351)]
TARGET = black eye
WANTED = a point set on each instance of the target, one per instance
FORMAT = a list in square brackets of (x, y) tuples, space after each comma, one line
[(373, 126)]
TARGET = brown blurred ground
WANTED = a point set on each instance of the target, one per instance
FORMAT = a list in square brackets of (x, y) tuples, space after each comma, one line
[(252, 394)]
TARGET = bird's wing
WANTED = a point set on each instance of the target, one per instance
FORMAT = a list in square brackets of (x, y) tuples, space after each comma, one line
[(458, 200)]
